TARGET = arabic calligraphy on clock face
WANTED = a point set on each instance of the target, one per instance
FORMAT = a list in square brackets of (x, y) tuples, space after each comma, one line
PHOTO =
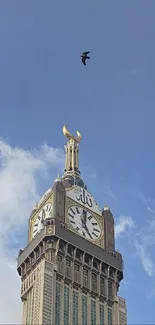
[(84, 198)]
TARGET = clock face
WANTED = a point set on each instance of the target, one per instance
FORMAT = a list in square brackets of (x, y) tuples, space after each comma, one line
[(46, 212), (84, 223)]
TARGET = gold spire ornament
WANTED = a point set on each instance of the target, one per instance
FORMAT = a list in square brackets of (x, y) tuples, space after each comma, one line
[(72, 150), (69, 136)]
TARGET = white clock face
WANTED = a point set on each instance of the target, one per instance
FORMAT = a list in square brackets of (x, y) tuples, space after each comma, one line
[(46, 212), (84, 223)]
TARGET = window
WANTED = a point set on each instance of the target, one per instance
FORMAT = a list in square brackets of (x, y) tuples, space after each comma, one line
[(110, 291), (112, 273), (78, 255), (28, 264), (95, 264), (109, 316), (70, 250), (60, 264), (103, 268), (37, 253), (76, 273), (102, 287), (94, 282), (87, 259), (68, 268), (84, 310), (85, 278), (47, 294), (66, 305), (101, 314), (32, 259), (62, 246), (57, 303), (75, 307), (93, 312), (52, 258)]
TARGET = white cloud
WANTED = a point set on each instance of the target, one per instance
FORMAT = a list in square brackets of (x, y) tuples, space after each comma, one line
[(142, 239), (111, 194), (148, 202), (123, 224), (19, 174), (145, 258), (144, 243)]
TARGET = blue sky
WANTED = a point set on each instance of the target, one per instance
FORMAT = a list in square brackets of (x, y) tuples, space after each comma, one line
[(44, 85)]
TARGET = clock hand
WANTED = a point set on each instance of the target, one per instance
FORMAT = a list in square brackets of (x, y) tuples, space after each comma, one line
[(83, 217), (80, 224), (85, 227)]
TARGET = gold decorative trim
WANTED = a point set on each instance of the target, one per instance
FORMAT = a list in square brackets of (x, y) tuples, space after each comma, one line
[(69, 136), (49, 230)]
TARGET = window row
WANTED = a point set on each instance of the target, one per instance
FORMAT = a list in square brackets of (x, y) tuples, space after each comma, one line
[(60, 263), (82, 276), (79, 305), (84, 257)]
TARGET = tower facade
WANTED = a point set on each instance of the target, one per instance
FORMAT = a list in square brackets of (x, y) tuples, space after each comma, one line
[(70, 271), (122, 311)]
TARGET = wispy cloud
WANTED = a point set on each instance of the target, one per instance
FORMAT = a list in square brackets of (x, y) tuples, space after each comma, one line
[(20, 171), (151, 294), (128, 279), (123, 224), (144, 242), (148, 202), (93, 175), (89, 170), (111, 194), (145, 258)]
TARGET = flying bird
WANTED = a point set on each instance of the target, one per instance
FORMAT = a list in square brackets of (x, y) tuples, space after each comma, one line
[(84, 57)]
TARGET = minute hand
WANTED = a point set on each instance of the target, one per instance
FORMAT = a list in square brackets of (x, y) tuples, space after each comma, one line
[(85, 227)]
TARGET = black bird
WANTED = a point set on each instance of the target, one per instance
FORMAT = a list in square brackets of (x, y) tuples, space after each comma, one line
[(84, 57)]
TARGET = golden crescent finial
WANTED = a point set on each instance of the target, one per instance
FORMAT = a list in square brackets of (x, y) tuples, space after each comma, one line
[(69, 136)]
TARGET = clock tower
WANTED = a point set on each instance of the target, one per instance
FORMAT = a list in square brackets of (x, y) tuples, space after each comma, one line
[(70, 271)]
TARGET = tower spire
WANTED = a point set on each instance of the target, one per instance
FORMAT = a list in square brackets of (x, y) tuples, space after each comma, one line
[(72, 151)]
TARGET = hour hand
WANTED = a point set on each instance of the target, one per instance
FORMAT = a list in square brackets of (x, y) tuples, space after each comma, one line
[(84, 217)]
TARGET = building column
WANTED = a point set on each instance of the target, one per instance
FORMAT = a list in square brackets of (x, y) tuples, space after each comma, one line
[(53, 295), (115, 311), (24, 312)]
